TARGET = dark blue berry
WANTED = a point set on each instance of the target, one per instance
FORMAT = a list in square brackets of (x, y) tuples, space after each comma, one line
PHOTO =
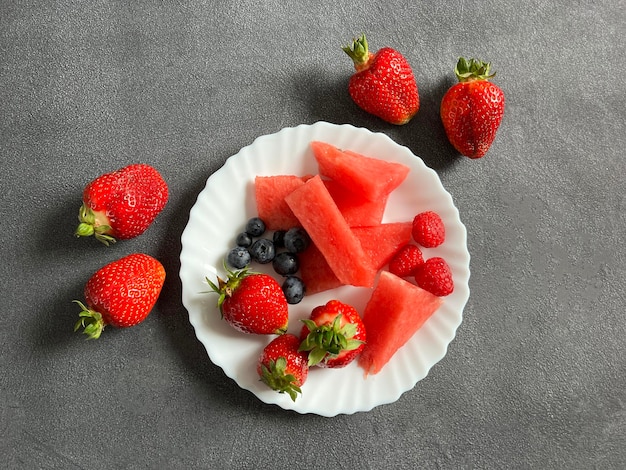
[(286, 263), (255, 227), (243, 239), (294, 289), (263, 251), (279, 238), (238, 257), (296, 240)]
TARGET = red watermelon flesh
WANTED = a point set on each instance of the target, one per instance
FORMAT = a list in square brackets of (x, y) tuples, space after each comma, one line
[(270, 192), (380, 242), (357, 210), (319, 216), (383, 241), (315, 271), (369, 177), (396, 310)]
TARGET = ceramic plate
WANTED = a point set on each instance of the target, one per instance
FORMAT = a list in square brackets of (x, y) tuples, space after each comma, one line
[(220, 213)]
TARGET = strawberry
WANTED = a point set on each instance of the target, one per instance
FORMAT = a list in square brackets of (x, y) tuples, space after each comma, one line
[(122, 204), (333, 335), (252, 302), (121, 294), (383, 84), (428, 229), (472, 110), (434, 275), (406, 260), (282, 367)]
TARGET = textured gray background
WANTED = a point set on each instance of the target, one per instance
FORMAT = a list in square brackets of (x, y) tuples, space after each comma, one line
[(536, 375)]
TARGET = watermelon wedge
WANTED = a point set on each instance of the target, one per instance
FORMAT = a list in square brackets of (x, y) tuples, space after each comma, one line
[(270, 192), (383, 241), (368, 177), (396, 310), (318, 214), (380, 243), (357, 210), (315, 271)]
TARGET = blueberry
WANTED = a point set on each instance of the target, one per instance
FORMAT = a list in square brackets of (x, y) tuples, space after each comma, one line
[(263, 251), (296, 240), (238, 257), (279, 238), (243, 239), (286, 263), (255, 227), (294, 289)]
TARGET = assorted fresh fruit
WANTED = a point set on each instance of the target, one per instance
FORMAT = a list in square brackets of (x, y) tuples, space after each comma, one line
[(122, 204), (383, 84), (282, 251), (317, 231), (120, 294), (472, 109), (324, 236)]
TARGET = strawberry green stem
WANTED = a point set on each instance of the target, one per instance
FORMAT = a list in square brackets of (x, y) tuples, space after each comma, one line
[(359, 52), (90, 320), (89, 225), (275, 376), (226, 288), (472, 69), (328, 340)]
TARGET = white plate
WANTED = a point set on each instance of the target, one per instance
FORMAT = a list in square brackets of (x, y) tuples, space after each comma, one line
[(220, 213)]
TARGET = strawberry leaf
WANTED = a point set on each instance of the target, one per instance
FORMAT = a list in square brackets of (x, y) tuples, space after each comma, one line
[(90, 320)]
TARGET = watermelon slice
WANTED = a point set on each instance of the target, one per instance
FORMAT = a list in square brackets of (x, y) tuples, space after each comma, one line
[(380, 242), (315, 271), (396, 310), (319, 216), (270, 192), (383, 241), (368, 177), (357, 210)]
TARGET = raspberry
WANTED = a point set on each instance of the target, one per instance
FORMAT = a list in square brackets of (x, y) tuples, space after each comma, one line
[(434, 275), (428, 229), (405, 261)]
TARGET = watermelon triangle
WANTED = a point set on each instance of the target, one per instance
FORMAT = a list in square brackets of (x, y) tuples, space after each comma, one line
[(269, 193), (318, 214), (395, 311), (368, 177)]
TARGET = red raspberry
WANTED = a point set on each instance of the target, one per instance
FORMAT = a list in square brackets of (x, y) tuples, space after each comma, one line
[(428, 229), (405, 261), (434, 275)]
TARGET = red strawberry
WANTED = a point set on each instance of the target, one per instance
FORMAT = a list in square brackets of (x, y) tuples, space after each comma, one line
[(333, 335), (405, 261), (282, 367), (434, 275), (472, 109), (122, 204), (252, 302), (383, 84), (428, 229), (121, 294)]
